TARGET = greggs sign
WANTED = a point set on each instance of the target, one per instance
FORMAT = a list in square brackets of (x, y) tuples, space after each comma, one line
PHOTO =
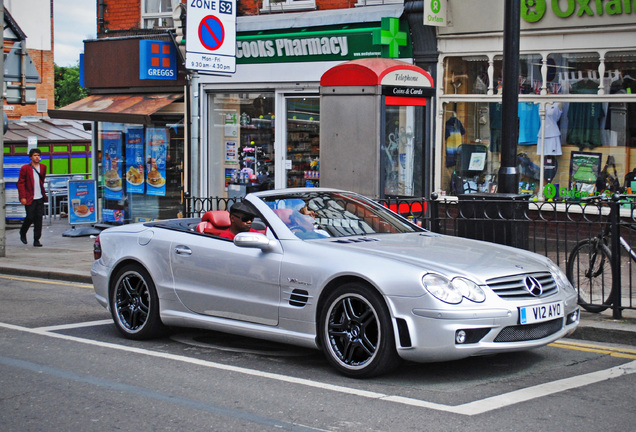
[(157, 60)]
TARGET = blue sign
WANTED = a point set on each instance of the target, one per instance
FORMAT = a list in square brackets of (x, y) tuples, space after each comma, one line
[(82, 201), (135, 160), (211, 32), (157, 60)]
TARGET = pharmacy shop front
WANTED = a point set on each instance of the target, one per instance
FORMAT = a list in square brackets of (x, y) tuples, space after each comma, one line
[(260, 127)]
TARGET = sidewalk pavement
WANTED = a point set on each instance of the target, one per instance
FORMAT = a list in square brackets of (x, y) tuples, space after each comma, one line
[(70, 259)]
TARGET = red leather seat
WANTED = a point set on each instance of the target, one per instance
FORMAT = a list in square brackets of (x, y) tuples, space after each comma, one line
[(214, 222)]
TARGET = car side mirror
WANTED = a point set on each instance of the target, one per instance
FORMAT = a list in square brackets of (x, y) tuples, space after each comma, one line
[(252, 240)]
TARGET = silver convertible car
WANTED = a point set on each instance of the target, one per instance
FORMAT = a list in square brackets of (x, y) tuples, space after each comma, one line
[(335, 271)]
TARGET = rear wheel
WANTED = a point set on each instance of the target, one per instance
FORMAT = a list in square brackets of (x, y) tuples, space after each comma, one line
[(356, 332), (134, 304), (589, 270)]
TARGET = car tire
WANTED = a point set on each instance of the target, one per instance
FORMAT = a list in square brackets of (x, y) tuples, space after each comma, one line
[(134, 304), (356, 332)]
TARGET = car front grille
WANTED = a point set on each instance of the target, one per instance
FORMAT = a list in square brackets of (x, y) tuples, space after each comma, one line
[(528, 332), (513, 287)]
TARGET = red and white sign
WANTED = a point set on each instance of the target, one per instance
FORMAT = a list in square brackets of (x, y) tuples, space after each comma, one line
[(211, 36)]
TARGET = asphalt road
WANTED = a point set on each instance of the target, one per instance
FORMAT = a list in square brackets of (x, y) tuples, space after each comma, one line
[(63, 366)]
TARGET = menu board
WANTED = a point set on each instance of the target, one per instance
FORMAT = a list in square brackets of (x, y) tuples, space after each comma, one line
[(135, 171), (112, 165), (82, 198), (156, 153)]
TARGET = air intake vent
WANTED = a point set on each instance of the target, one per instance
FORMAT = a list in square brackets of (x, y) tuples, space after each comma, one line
[(350, 240), (298, 298)]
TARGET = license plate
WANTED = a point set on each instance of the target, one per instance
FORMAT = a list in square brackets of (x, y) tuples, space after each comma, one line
[(540, 313)]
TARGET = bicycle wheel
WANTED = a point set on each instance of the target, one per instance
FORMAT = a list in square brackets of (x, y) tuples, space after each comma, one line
[(589, 270)]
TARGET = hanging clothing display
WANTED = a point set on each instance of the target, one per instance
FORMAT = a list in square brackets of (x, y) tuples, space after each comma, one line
[(454, 137), (552, 136), (529, 123), (495, 127), (585, 118)]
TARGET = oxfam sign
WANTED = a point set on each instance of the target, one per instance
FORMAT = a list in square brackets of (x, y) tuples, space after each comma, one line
[(533, 10)]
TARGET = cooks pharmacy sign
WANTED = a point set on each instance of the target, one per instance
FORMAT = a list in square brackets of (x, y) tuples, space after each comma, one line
[(319, 44)]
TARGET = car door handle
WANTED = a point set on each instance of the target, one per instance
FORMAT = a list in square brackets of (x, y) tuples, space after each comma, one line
[(182, 250)]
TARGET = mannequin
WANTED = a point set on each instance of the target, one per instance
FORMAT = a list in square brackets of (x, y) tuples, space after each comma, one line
[(552, 132)]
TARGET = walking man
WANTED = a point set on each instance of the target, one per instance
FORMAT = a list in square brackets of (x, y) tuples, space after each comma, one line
[(33, 196)]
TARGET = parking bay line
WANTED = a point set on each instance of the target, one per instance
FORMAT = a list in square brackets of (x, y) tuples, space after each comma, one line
[(611, 351), (46, 281), (469, 409)]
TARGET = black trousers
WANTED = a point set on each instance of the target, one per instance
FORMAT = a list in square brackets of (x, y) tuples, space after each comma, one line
[(34, 214)]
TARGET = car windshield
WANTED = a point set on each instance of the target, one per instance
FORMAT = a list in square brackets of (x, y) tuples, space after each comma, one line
[(312, 215)]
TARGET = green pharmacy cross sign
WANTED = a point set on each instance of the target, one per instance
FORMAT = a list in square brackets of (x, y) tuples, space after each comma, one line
[(390, 37)]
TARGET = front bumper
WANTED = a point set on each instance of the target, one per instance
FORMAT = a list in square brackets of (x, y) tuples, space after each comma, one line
[(433, 333)]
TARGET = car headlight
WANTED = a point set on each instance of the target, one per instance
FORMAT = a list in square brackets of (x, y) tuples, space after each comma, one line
[(560, 277), (469, 289), (452, 291)]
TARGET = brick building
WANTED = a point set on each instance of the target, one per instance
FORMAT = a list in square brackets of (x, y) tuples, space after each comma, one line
[(32, 22)]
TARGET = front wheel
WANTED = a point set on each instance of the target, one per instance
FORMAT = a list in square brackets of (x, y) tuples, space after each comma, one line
[(134, 304), (590, 270), (356, 333)]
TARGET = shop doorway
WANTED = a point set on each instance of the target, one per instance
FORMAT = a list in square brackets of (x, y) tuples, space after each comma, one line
[(241, 151), (302, 125)]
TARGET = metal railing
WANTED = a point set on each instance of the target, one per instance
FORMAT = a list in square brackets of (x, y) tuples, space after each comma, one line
[(552, 229), (196, 206)]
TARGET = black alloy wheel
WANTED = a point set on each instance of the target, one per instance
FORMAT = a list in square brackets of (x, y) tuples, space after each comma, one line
[(134, 304), (356, 332)]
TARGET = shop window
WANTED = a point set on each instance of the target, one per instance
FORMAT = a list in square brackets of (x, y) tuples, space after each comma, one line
[(303, 142), (157, 13), (573, 73), (587, 147), (140, 171), (376, 2), (287, 5), (241, 143), (466, 75), (620, 76), (470, 75)]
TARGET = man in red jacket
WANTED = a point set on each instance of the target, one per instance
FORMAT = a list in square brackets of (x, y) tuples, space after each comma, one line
[(32, 195)]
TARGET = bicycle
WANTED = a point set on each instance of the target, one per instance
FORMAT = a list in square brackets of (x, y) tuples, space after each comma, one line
[(589, 267)]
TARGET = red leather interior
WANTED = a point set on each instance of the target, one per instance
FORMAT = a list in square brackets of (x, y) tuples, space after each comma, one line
[(214, 222)]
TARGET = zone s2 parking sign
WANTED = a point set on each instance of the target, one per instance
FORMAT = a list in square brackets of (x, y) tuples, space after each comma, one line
[(211, 36)]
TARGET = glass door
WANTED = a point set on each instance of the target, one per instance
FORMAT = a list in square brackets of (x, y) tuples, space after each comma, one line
[(302, 163), (241, 136)]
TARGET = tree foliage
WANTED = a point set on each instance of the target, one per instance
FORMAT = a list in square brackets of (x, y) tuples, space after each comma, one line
[(67, 86)]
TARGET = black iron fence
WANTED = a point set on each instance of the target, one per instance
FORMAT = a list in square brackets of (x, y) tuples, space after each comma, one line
[(196, 206), (553, 229), (602, 269)]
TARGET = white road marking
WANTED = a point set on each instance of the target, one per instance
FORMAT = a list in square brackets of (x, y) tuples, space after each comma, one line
[(75, 325), (469, 409)]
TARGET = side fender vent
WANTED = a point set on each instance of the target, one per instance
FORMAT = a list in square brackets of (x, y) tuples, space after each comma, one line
[(298, 297)]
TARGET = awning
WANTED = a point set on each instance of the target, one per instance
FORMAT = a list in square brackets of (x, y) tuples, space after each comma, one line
[(132, 108)]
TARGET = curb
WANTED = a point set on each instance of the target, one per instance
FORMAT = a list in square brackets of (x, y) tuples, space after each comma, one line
[(600, 333), (47, 274)]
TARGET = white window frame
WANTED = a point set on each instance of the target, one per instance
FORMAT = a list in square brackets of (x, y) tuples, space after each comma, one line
[(165, 17), (360, 3), (287, 5)]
